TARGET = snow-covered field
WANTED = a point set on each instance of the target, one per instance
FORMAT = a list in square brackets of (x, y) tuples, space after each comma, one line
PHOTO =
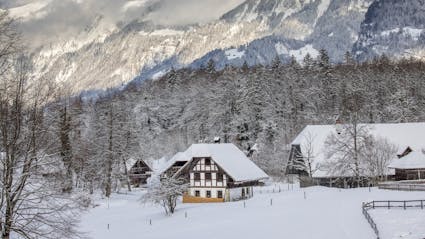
[(325, 213), (399, 223)]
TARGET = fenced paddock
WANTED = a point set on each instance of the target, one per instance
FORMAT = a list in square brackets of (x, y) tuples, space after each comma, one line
[(389, 204)]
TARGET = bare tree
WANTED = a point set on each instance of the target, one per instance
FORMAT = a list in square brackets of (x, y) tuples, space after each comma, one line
[(165, 193), (309, 153), (31, 205), (377, 157), (345, 149)]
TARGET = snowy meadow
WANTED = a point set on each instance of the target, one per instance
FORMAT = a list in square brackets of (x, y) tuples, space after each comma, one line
[(275, 211)]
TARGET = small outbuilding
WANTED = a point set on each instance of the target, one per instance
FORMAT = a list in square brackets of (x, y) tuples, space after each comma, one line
[(409, 167), (138, 172)]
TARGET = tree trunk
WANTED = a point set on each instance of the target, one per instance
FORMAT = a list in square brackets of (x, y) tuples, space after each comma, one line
[(108, 186), (127, 178)]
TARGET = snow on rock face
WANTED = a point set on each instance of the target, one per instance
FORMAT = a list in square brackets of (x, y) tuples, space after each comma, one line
[(322, 8), (391, 27), (29, 11), (406, 31), (233, 54), (134, 48), (281, 49), (162, 32), (299, 54), (134, 4)]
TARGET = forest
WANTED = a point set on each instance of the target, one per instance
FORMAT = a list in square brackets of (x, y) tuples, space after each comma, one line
[(260, 109)]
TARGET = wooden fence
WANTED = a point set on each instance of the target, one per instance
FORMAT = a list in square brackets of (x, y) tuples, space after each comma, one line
[(402, 186), (370, 221), (388, 204)]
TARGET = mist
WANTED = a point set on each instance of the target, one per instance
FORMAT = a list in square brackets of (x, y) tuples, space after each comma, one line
[(44, 21)]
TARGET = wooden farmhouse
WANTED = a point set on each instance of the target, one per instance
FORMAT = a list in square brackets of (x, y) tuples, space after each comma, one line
[(410, 166), (309, 146), (215, 173), (138, 171)]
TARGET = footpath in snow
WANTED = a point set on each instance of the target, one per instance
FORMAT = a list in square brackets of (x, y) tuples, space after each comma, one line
[(326, 213)]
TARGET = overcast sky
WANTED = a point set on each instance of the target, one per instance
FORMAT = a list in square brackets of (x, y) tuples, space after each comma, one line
[(66, 17)]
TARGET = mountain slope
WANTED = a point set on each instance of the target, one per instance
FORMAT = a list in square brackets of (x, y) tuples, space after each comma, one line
[(392, 27), (105, 55), (330, 25)]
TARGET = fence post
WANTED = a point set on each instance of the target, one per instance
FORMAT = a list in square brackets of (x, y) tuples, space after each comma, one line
[(422, 204), (404, 205), (305, 195), (389, 205), (244, 205), (185, 214), (373, 204), (271, 201), (150, 222)]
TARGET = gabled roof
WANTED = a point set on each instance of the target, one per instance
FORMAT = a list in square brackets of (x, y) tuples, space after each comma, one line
[(414, 160), (130, 162), (228, 157), (178, 157), (402, 135)]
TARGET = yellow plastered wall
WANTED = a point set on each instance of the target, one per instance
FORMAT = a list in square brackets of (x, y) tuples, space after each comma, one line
[(191, 199)]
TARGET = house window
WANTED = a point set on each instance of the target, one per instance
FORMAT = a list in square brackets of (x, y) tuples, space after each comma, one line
[(207, 176), (197, 176), (243, 192), (208, 194), (207, 162), (197, 193), (247, 191), (219, 194), (219, 177)]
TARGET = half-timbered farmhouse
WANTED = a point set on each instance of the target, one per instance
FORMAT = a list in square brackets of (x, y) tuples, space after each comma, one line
[(216, 173), (310, 144)]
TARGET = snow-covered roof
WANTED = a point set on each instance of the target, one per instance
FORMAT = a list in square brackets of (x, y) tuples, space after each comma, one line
[(178, 157), (130, 163), (229, 157), (402, 135), (414, 160)]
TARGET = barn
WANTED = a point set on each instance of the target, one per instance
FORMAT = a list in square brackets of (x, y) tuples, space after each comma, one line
[(215, 173), (309, 145)]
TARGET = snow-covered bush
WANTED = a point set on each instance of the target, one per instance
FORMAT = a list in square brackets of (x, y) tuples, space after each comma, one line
[(165, 193)]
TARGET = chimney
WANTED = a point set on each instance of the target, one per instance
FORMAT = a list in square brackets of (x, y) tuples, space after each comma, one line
[(338, 124)]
